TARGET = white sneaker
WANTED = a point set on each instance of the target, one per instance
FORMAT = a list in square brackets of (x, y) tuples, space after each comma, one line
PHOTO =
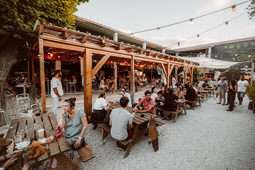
[(241, 106)]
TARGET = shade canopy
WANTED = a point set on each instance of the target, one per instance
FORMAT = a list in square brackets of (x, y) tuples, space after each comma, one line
[(210, 63)]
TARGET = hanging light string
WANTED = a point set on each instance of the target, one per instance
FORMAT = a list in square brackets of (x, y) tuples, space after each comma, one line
[(191, 19), (206, 30)]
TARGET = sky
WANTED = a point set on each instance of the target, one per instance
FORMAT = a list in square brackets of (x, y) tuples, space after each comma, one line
[(136, 15)]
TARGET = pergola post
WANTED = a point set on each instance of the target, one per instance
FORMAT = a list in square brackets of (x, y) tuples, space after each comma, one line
[(185, 72), (176, 72), (191, 74), (33, 69), (115, 72), (87, 72), (168, 75), (42, 77), (132, 83)]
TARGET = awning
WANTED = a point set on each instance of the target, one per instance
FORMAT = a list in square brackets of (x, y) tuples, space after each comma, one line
[(210, 63)]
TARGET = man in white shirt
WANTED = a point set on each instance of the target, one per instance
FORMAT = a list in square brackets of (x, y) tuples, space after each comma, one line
[(241, 90), (56, 90), (123, 93), (121, 122)]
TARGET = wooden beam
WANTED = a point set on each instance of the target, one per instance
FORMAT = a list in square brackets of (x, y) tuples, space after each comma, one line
[(164, 69), (87, 72), (168, 75), (191, 74), (100, 64), (115, 74), (132, 83), (84, 39), (119, 47), (171, 69), (65, 35), (42, 75)]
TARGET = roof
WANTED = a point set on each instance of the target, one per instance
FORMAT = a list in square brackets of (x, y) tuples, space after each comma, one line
[(206, 46), (94, 28)]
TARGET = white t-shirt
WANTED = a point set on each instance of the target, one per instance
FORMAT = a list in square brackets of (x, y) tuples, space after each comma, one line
[(56, 83), (102, 83), (242, 85), (128, 96), (120, 119), (100, 103), (154, 96), (173, 82)]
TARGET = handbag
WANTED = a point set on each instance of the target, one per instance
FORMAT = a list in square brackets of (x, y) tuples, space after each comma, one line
[(82, 144)]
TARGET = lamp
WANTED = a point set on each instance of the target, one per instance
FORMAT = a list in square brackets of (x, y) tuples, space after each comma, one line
[(249, 55), (198, 36), (226, 23), (233, 8), (158, 29), (191, 21), (235, 54), (215, 56)]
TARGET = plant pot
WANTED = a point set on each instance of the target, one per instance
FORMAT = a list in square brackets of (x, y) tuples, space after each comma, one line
[(253, 108), (250, 105)]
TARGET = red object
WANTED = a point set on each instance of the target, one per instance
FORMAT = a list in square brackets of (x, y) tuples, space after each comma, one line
[(59, 134)]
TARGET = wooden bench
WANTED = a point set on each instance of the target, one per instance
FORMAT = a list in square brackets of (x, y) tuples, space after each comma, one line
[(178, 110), (197, 100), (47, 121)]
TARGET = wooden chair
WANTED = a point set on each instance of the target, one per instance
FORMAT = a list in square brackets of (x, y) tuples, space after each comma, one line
[(193, 103)]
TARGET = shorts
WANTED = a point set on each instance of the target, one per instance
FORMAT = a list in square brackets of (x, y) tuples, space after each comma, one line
[(240, 94)]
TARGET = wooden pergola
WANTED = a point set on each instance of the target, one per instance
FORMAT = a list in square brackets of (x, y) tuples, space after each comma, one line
[(56, 43)]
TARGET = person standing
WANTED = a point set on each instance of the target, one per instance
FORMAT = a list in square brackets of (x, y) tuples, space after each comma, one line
[(241, 91), (101, 87), (231, 94), (56, 90), (223, 86)]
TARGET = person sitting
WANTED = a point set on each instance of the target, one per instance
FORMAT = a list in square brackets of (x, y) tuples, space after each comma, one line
[(12, 157), (205, 84), (170, 98), (179, 93), (186, 86), (147, 102), (191, 94), (121, 123), (123, 93), (198, 87), (154, 94), (153, 82), (76, 123), (106, 89), (162, 92), (100, 109), (211, 83), (112, 85)]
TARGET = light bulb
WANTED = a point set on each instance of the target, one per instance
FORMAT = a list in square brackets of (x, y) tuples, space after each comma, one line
[(158, 29), (233, 8), (132, 34), (215, 56), (178, 44), (249, 55), (235, 54), (197, 36), (226, 24), (191, 21), (103, 41)]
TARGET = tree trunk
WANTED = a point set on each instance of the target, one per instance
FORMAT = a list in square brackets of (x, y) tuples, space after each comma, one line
[(8, 57)]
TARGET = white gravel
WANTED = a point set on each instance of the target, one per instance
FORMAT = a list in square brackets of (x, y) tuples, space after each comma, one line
[(207, 138)]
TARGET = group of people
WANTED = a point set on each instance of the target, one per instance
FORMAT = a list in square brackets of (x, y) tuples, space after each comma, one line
[(238, 87)]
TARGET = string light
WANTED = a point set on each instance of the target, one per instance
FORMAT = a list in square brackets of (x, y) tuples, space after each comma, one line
[(59, 56), (191, 21), (51, 54), (198, 36), (235, 54), (215, 56), (226, 23), (233, 8), (178, 44), (249, 55), (158, 29)]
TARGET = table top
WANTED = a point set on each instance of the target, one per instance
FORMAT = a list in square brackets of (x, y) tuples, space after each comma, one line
[(25, 127), (137, 119), (23, 85), (182, 101), (204, 91)]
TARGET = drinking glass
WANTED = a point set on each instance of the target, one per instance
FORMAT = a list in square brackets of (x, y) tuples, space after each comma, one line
[(17, 139)]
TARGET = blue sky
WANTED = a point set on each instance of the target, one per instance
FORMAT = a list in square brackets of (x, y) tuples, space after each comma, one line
[(135, 15)]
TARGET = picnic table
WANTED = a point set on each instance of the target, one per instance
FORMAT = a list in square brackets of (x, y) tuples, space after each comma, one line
[(137, 122), (210, 90), (27, 129), (205, 92)]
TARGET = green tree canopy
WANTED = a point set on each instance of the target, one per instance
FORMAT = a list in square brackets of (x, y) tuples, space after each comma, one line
[(251, 9)]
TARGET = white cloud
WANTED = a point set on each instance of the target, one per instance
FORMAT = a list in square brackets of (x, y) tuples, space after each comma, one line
[(212, 5), (128, 32), (248, 30)]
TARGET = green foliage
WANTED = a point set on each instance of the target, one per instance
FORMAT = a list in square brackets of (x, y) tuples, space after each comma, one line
[(251, 9), (196, 74), (251, 92), (232, 74), (18, 16)]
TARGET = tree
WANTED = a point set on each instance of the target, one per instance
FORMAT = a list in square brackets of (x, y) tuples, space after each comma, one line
[(16, 28), (251, 9)]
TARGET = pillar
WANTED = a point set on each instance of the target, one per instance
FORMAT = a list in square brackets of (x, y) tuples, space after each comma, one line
[(176, 72), (58, 65), (42, 75), (115, 36), (185, 72), (252, 70), (210, 52), (33, 69), (144, 45), (82, 71), (132, 82), (168, 75), (115, 74), (87, 72)]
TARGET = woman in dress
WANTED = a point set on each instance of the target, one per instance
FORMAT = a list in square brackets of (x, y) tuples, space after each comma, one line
[(76, 123)]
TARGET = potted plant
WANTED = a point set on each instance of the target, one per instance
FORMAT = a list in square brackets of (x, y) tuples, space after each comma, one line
[(251, 95)]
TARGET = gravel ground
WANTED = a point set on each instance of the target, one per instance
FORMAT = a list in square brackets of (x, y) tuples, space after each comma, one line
[(208, 137)]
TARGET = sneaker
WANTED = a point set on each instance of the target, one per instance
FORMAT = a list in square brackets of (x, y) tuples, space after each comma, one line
[(241, 106)]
